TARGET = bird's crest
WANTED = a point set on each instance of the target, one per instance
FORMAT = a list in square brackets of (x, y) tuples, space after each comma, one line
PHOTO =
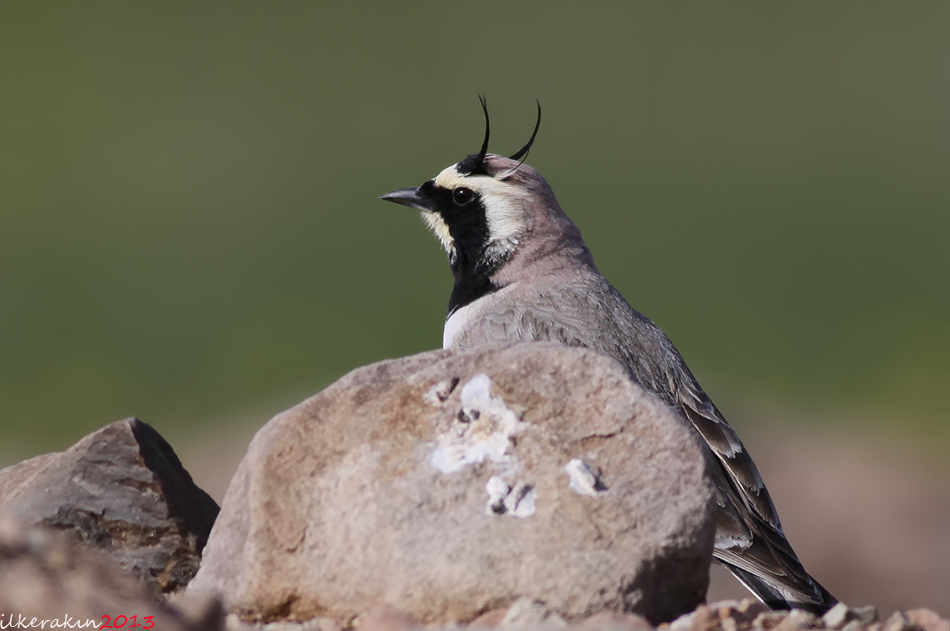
[(475, 163)]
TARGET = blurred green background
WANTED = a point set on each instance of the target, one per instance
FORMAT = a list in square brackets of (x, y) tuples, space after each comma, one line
[(190, 230)]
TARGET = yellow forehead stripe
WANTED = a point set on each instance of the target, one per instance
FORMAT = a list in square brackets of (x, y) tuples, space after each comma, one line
[(450, 178)]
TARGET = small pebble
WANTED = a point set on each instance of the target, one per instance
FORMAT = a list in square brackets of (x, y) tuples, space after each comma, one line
[(837, 616), (897, 622)]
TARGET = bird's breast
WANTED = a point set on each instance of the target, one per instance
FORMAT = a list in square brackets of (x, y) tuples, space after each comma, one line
[(492, 319), (456, 324)]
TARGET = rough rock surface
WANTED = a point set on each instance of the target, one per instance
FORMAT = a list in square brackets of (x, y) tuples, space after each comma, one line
[(451, 483), (524, 614), (46, 575), (121, 489), (750, 615)]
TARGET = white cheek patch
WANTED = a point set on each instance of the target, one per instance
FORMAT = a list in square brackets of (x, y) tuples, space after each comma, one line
[(504, 204), (503, 209)]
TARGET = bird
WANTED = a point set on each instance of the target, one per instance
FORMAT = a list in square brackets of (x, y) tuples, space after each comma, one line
[(522, 273)]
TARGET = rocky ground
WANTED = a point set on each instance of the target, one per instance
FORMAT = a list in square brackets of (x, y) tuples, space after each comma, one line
[(868, 513), (48, 576), (730, 615), (115, 524)]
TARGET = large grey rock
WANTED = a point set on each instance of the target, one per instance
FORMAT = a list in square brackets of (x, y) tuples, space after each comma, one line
[(121, 489), (450, 483), (48, 576)]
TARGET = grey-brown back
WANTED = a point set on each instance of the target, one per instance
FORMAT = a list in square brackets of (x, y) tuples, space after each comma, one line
[(577, 307)]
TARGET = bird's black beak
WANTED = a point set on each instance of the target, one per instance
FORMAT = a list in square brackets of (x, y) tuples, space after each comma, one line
[(411, 197)]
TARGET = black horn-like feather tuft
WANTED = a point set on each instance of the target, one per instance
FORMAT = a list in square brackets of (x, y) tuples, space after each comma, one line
[(484, 151), (523, 152), (475, 163)]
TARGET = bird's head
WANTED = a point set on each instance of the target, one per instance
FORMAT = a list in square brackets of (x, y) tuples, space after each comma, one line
[(483, 207)]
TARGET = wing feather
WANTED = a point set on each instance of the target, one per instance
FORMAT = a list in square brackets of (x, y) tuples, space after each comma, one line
[(592, 314)]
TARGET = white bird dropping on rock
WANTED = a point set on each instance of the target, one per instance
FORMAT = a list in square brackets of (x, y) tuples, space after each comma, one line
[(520, 502), (483, 430), (584, 478), (498, 490)]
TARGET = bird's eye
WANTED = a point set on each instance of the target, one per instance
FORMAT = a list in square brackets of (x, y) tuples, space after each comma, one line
[(462, 195)]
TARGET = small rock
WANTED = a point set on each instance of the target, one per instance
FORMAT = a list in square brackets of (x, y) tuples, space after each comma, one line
[(897, 622), (928, 620), (866, 615), (838, 616), (48, 575), (527, 612), (728, 615), (123, 490), (854, 625)]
